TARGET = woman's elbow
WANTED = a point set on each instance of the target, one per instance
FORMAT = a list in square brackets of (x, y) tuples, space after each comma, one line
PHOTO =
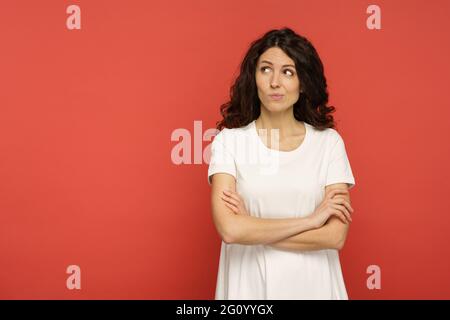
[(339, 240), (339, 244), (228, 233), (234, 233), (340, 235), (226, 236)]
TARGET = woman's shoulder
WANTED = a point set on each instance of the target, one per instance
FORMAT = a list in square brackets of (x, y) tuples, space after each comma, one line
[(328, 136), (234, 138), (234, 133)]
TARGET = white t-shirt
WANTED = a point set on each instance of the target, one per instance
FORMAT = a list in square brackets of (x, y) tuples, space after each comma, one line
[(280, 184)]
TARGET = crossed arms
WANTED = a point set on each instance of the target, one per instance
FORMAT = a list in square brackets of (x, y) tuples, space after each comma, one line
[(297, 234)]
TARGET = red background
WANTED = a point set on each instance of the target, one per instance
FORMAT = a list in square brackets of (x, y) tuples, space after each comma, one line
[(86, 117)]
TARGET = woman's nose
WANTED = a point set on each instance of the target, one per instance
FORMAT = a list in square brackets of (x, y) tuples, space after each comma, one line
[(275, 80)]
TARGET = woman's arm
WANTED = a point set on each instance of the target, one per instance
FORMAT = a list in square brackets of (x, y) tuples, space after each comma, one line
[(248, 230), (331, 235)]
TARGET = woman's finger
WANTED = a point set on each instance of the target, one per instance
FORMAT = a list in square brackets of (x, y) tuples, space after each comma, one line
[(347, 204), (343, 202), (338, 214), (236, 199), (341, 216), (230, 200), (235, 210), (232, 194), (344, 210)]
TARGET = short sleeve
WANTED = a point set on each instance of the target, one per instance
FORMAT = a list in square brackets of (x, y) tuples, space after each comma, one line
[(222, 160), (339, 169)]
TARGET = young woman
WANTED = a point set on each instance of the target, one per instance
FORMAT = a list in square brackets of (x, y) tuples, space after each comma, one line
[(281, 204)]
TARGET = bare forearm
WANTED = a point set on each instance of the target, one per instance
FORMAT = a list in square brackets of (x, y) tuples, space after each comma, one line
[(329, 236), (251, 230), (306, 241)]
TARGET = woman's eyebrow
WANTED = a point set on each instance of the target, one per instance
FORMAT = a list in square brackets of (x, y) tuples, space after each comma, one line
[(286, 65)]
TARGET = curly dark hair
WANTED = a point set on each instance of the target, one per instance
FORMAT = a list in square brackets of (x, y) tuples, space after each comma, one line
[(311, 107)]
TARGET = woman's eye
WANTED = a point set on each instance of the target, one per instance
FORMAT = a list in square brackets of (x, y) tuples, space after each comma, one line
[(291, 73)]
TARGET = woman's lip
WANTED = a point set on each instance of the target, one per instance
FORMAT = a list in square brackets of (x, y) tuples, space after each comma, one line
[(276, 96)]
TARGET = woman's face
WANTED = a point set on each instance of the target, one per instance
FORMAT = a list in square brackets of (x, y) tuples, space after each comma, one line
[(276, 74)]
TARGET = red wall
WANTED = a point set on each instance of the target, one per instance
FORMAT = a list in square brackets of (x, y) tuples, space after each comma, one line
[(87, 173)]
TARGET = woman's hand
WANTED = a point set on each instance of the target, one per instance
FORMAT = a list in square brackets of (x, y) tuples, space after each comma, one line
[(234, 201), (338, 207)]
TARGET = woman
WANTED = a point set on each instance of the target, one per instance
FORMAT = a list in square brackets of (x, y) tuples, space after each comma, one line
[(281, 205)]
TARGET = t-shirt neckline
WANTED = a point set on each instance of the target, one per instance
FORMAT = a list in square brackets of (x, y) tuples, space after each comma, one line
[(283, 153)]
